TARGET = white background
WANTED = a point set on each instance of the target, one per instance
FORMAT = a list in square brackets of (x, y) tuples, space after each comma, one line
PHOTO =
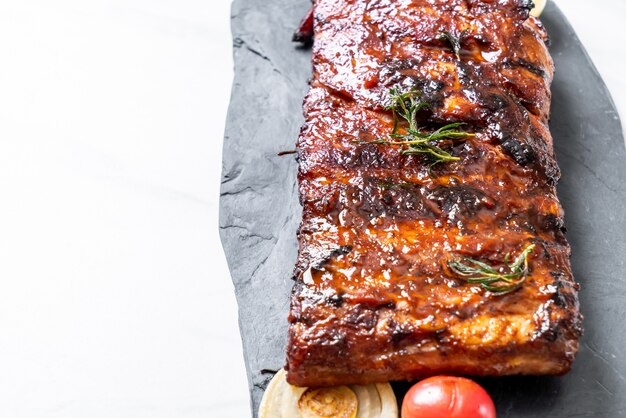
[(115, 298)]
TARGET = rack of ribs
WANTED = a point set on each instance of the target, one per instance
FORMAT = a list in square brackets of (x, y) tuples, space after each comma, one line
[(375, 296)]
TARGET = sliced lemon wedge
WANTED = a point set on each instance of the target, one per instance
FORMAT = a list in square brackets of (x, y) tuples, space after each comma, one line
[(539, 6), (282, 400)]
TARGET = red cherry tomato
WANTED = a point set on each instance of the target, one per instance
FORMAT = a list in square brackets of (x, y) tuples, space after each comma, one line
[(447, 397)]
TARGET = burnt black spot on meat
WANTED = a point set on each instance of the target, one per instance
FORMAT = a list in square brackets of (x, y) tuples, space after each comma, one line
[(399, 331), (549, 333), (459, 201), (465, 312), (378, 198), (342, 250), (464, 73), (364, 155), (494, 102), (427, 88), (407, 200), (543, 247), (404, 74), (339, 96), (565, 293), (554, 223), (522, 153), (395, 71), (560, 298), (336, 300), (528, 5), (467, 151), (535, 221), (551, 170), (533, 68), (442, 336), (432, 86), (361, 317), (529, 227), (322, 258), (321, 205)]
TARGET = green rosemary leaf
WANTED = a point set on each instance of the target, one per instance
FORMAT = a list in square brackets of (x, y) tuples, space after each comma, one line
[(484, 267), (449, 126), (488, 277), (459, 268), (482, 280), (405, 108), (522, 259), (435, 152)]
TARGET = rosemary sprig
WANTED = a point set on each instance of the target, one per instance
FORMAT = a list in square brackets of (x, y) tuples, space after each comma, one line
[(496, 281), (422, 143), (406, 106)]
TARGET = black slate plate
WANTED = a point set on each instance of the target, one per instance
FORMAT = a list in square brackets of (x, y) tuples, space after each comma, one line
[(259, 210)]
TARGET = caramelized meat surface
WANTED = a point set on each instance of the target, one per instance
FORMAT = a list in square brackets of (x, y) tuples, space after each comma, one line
[(374, 298)]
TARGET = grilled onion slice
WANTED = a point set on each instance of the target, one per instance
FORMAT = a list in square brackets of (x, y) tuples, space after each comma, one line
[(282, 400), (337, 402)]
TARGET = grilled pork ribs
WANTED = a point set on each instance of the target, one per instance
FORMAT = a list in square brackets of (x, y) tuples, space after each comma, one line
[(391, 233)]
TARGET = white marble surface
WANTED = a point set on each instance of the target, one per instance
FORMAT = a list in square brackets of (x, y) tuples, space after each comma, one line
[(115, 298)]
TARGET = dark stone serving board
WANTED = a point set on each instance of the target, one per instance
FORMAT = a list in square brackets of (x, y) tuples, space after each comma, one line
[(259, 210)]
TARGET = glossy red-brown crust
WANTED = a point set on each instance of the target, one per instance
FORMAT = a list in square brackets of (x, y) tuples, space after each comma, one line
[(373, 299)]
